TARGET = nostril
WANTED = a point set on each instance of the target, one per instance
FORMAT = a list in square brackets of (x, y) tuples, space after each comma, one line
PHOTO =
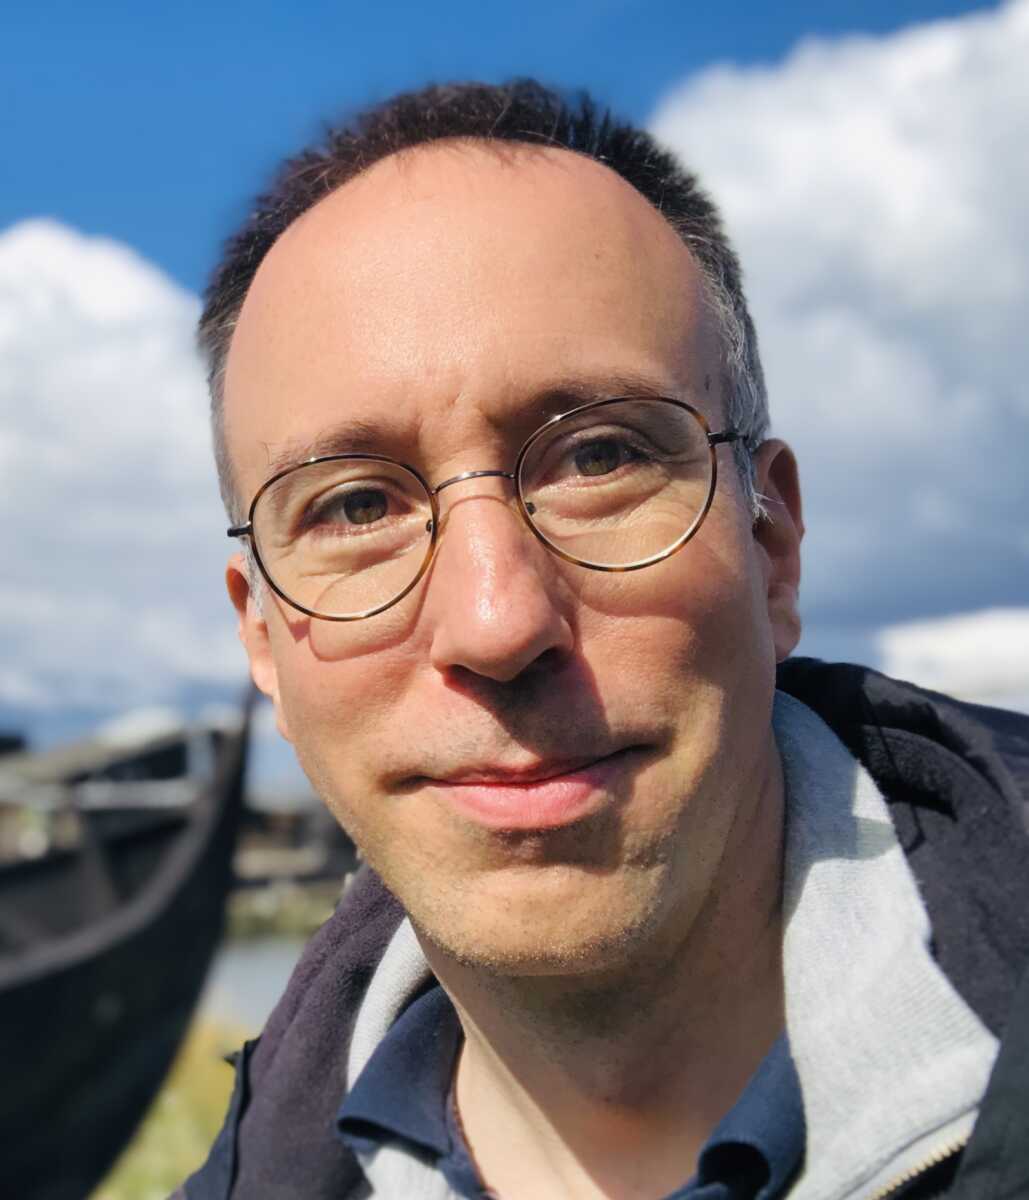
[(547, 663)]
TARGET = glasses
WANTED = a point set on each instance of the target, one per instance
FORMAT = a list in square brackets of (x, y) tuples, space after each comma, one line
[(614, 485)]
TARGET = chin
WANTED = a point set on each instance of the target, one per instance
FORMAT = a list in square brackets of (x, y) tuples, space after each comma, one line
[(573, 926)]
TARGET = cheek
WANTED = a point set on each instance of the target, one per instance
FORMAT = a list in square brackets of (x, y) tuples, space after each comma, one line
[(699, 613), (690, 649), (342, 711)]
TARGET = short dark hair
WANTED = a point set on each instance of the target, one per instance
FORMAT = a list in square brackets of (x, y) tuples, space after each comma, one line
[(522, 111)]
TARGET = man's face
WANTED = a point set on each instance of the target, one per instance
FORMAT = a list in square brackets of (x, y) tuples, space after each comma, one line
[(445, 304)]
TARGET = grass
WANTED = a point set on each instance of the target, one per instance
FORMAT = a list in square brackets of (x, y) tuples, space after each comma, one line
[(181, 1124)]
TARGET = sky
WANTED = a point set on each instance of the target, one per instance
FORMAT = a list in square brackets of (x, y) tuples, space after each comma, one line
[(869, 159), (155, 123)]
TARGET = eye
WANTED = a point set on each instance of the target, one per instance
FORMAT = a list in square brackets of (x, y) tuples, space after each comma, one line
[(364, 506), (601, 456), (348, 508)]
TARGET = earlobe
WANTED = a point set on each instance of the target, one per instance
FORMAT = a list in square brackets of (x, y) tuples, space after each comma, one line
[(253, 633), (778, 531)]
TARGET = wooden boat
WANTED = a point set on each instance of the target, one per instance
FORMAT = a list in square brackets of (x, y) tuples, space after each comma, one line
[(103, 953)]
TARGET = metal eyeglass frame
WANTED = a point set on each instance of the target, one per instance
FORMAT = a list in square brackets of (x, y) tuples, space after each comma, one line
[(525, 508)]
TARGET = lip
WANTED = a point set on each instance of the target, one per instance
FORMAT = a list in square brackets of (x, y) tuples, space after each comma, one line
[(540, 796)]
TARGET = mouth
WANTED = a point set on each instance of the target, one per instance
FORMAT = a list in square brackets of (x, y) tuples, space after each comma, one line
[(541, 796)]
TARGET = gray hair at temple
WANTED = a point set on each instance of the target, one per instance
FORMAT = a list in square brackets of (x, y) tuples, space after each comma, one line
[(522, 111)]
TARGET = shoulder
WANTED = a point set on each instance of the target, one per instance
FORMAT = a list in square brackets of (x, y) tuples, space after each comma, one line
[(280, 1128), (956, 778), (335, 967), (909, 734)]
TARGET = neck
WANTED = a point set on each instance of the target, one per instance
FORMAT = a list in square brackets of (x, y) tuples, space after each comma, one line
[(608, 1084)]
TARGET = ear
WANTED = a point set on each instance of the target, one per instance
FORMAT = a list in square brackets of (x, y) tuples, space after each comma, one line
[(253, 633), (778, 533)]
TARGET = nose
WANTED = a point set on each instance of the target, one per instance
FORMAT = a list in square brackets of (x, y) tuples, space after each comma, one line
[(493, 594)]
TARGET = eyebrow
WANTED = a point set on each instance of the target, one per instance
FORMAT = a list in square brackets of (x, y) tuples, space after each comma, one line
[(350, 437), (359, 436)]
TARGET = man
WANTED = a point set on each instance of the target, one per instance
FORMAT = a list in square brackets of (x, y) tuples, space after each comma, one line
[(519, 562)]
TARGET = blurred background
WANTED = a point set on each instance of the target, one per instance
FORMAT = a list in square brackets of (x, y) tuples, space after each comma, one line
[(870, 161)]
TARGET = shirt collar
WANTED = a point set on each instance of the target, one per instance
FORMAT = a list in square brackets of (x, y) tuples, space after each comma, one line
[(402, 1092), (769, 1118)]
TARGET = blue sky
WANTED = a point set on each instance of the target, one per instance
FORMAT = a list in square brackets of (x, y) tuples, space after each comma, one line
[(154, 123), (870, 162)]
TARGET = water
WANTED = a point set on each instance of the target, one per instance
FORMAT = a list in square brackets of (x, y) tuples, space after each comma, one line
[(246, 979)]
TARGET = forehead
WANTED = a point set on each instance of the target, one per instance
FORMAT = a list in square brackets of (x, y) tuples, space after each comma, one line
[(443, 288)]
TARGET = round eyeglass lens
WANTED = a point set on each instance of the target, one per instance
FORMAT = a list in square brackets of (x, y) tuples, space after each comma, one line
[(344, 537), (620, 484)]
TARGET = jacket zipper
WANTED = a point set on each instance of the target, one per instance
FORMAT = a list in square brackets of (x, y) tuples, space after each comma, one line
[(941, 1154)]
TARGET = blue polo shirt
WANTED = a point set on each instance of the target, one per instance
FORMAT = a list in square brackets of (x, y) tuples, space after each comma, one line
[(403, 1094)]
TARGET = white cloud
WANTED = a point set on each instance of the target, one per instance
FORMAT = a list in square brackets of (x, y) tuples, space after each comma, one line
[(981, 656), (113, 537), (878, 192)]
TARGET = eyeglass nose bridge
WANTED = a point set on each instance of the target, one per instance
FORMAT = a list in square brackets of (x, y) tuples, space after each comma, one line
[(471, 475), (528, 507)]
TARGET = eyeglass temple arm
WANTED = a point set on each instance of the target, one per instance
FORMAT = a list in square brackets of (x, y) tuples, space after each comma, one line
[(240, 530), (723, 436)]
